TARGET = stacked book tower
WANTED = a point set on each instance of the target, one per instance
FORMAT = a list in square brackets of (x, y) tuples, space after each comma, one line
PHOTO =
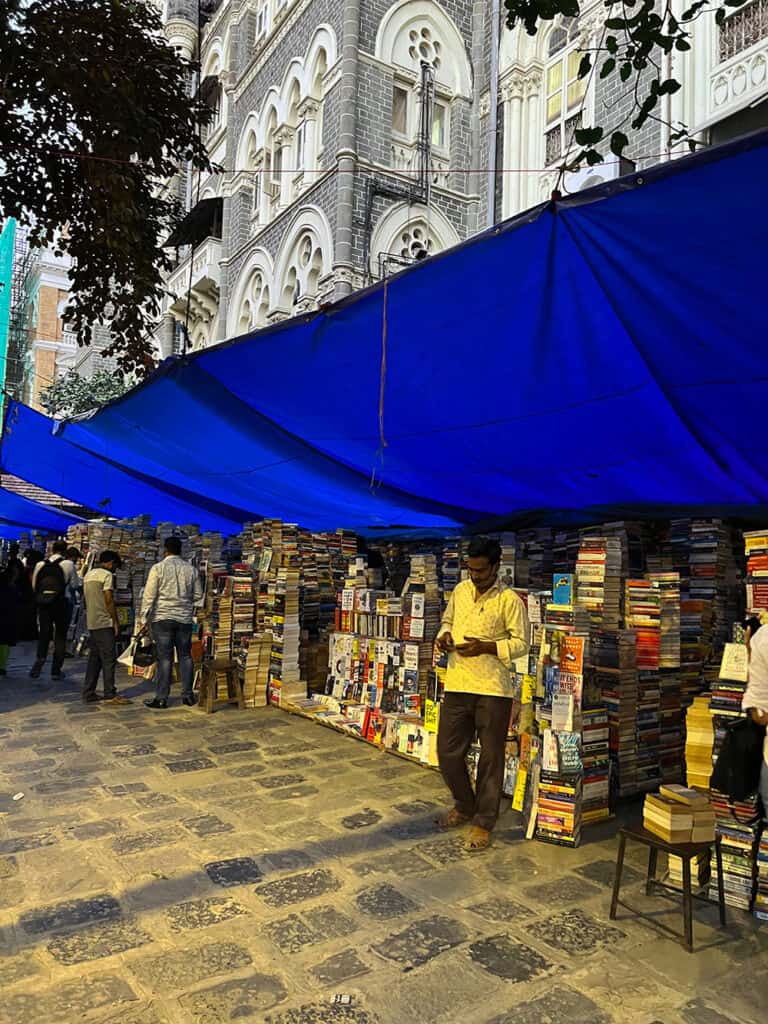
[(613, 658), (756, 551), (534, 559), (739, 827), (598, 580), (698, 743), (761, 895)]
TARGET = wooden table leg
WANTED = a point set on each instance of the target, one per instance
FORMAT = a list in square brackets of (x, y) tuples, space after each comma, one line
[(653, 857), (687, 904), (617, 876), (720, 885)]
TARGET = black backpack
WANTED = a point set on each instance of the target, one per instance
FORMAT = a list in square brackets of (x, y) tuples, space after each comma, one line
[(738, 766), (50, 583)]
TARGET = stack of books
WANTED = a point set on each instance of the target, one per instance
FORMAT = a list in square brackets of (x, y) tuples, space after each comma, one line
[(642, 614), (596, 769), (614, 670), (668, 819), (756, 550), (699, 743), (648, 731), (598, 573), (668, 586), (679, 815), (699, 870), (672, 727), (254, 658), (738, 826), (729, 687), (558, 811), (534, 558), (761, 894)]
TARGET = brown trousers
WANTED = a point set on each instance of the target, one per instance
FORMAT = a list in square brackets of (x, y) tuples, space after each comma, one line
[(461, 716)]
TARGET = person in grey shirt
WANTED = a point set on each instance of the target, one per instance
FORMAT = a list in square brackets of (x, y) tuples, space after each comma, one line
[(103, 628), (168, 610)]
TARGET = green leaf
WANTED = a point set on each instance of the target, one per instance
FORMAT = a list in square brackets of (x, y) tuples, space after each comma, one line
[(625, 71), (682, 45), (611, 44), (588, 136), (619, 143), (608, 65), (585, 65), (593, 157), (669, 87)]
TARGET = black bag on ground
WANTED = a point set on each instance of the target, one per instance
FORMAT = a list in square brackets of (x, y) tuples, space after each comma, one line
[(737, 770), (50, 583)]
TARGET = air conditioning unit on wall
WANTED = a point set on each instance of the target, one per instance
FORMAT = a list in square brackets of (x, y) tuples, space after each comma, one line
[(589, 177)]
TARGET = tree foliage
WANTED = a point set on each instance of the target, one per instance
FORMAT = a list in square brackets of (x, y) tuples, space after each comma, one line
[(95, 113), (72, 394), (636, 37)]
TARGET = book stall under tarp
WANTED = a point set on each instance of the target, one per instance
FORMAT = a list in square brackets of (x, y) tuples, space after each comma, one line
[(341, 630)]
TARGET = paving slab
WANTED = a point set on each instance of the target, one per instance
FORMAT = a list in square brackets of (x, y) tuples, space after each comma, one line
[(247, 866)]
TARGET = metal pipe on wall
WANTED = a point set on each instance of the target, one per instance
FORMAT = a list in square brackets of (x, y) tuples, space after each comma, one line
[(493, 112)]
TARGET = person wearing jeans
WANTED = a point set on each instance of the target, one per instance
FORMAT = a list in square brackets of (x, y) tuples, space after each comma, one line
[(168, 610), (169, 635)]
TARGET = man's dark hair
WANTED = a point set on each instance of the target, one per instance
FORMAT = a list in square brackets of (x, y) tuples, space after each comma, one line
[(752, 624), (485, 547), (73, 553), (60, 547), (173, 545), (110, 556)]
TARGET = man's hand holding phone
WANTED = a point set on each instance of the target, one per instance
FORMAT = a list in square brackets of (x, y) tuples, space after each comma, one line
[(473, 648)]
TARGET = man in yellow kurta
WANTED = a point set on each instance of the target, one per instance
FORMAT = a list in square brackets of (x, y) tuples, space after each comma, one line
[(484, 629)]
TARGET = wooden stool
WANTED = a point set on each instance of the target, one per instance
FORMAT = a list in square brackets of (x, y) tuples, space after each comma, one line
[(686, 851), (208, 685)]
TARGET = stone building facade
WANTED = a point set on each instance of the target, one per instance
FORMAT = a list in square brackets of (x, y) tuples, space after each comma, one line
[(355, 137)]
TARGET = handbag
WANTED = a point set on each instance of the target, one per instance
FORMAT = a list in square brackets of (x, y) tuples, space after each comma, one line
[(140, 658), (740, 761)]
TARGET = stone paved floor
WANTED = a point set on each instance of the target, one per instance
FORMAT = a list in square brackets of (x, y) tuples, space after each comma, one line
[(178, 868)]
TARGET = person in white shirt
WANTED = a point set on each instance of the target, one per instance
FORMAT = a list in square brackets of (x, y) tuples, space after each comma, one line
[(168, 608), (755, 700), (50, 583)]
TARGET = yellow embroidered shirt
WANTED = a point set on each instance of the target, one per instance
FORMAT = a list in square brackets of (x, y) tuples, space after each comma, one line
[(498, 615)]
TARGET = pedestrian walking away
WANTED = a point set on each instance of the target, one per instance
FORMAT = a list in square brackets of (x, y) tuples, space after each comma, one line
[(50, 581), (168, 609), (103, 629), (9, 611), (484, 630)]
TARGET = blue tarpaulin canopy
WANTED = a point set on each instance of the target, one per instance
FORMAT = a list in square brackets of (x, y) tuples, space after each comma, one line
[(18, 514), (601, 355)]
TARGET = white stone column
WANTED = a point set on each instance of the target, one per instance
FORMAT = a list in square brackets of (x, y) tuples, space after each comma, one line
[(264, 183), (514, 152), (308, 111), (284, 139), (534, 140)]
